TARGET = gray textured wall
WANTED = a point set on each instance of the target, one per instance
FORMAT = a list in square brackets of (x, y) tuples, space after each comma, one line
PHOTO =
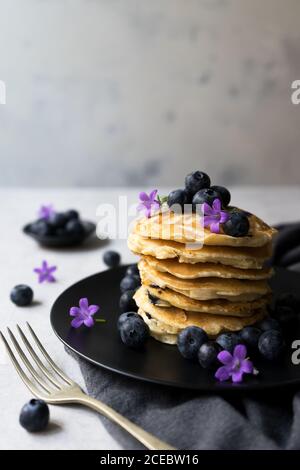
[(117, 92)]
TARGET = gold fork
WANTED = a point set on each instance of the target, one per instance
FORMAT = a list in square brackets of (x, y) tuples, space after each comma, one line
[(51, 384)]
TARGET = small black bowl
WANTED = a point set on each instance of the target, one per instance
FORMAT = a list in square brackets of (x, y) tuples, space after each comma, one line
[(61, 240)]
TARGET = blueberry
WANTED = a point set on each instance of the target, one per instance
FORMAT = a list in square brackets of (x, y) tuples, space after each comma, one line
[(34, 416), (72, 214), (224, 194), (57, 220), (268, 323), (41, 228), (177, 199), (249, 335), (132, 270), (125, 316), (112, 258), (189, 341), (21, 295), (207, 354), (196, 181), (74, 227), (205, 195), (129, 283), (134, 332), (127, 302), (237, 225), (271, 344), (228, 341)]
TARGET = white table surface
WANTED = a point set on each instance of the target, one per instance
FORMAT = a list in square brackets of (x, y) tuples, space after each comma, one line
[(72, 427)]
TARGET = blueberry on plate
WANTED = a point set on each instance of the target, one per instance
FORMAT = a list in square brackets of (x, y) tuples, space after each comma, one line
[(249, 335), (74, 227), (127, 303), (271, 344), (196, 181), (237, 225), (21, 295), (268, 323), (208, 354), (132, 270), (228, 341), (129, 283), (205, 195), (189, 341), (134, 332), (224, 194), (177, 199), (125, 316), (41, 228), (111, 258), (72, 214), (57, 220), (34, 416)]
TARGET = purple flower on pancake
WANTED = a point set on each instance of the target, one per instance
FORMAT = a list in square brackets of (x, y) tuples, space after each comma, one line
[(45, 272), (234, 365), (214, 215), (148, 203), (83, 315), (45, 212)]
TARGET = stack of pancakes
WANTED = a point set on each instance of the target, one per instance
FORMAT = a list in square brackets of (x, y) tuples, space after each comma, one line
[(213, 281)]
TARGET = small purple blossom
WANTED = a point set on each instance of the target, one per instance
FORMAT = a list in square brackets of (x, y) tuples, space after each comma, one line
[(83, 314), (235, 365), (45, 272), (214, 216), (45, 212), (148, 203)]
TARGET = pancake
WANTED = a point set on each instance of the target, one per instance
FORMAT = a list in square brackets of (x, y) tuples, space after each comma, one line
[(168, 298), (198, 270), (174, 319), (243, 258), (186, 228), (205, 288)]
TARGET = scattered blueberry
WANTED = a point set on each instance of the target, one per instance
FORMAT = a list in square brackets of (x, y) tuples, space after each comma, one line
[(271, 344), (249, 335), (132, 270), (127, 302), (207, 354), (74, 227), (21, 295), (112, 258), (196, 181), (237, 225), (125, 316), (224, 194), (268, 323), (129, 283), (228, 341), (72, 214), (205, 195), (133, 331), (34, 416), (189, 341), (57, 220), (177, 199)]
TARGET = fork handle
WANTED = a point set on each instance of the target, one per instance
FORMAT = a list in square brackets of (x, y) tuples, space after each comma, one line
[(148, 440)]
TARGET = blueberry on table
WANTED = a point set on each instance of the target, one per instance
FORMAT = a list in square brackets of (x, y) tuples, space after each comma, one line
[(196, 181), (21, 295), (237, 225), (268, 323), (228, 341), (34, 416), (177, 199), (126, 316), (111, 258), (224, 194), (208, 354), (57, 220), (74, 227), (134, 332), (271, 344), (207, 195), (132, 270), (72, 214), (189, 341), (249, 335), (127, 302), (129, 283)]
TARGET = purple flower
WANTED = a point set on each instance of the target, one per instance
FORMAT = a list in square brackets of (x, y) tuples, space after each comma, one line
[(149, 203), (214, 216), (45, 212), (45, 272), (235, 365), (83, 314)]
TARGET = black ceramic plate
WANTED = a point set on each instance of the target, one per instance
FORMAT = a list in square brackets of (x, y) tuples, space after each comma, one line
[(158, 362), (63, 240)]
